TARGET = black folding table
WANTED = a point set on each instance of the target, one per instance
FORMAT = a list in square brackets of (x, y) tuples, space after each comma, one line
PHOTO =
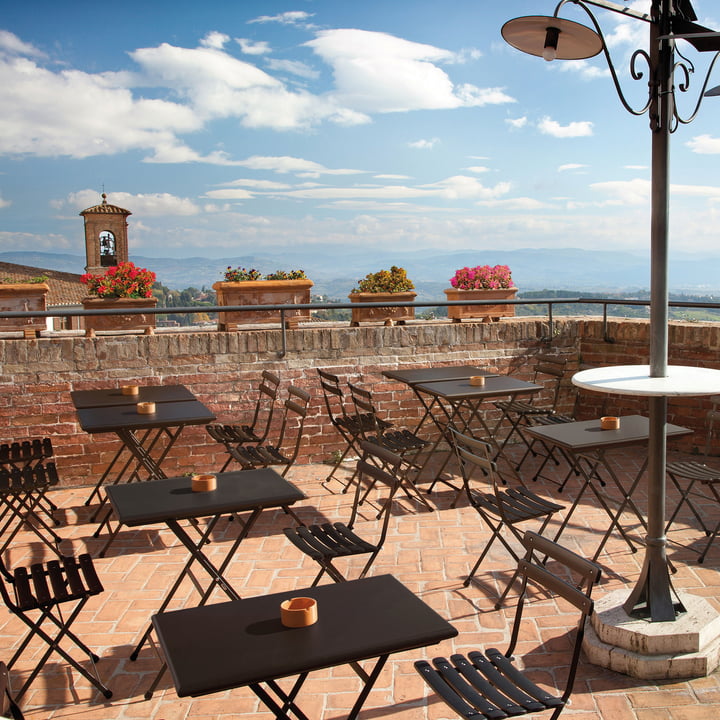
[(227, 645), (172, 500)]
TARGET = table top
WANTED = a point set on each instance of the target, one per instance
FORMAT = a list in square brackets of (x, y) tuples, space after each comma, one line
[(636, 380), (461, 389), (113, 396), (435, 374), (224, 645), (113, 418), (155, 501), (588, 435)]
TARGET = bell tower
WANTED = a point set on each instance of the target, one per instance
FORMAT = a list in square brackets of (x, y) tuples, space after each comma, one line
[(106, 236)]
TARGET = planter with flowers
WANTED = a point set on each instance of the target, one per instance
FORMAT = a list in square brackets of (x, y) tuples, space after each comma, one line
[(391, 285), (483, 282), (121, 287), (23, 296), (250, 287)]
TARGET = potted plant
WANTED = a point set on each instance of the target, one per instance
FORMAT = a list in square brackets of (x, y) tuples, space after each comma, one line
[(384, 285), (483, 282), (241, 286), (121, 287), (23, 295)]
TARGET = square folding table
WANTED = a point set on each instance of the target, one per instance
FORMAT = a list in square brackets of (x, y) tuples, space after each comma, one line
[(227, 645), (172, 500), (589, 444), (108, 410), (460, 404)]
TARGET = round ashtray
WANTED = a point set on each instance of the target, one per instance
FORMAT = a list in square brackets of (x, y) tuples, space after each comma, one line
[(146, 408), (478, 380), (610, 422), (203, 482), (298, 612), (130, 389)]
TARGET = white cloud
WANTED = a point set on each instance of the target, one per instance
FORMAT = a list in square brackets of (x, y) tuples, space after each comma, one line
[(295, 67), (637, 192), (143, 205), (571, 166), (551, 127), (4, 203), (704, 145), (378, 72), (250, 47), (517, 123), (478, 169), (294, 17), (13, 45), (215, 40), (294, 165), (427, 144)]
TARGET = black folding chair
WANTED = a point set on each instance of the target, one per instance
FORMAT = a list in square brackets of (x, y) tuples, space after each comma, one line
[(685, 476), (549, 371), (329, 542), (489, 684), (38, 594), (22, 495), (501, 508), (257, 430), (348, 424)]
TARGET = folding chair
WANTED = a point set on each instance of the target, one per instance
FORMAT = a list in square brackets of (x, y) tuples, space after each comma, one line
[(40, 591), (686, 474), (520, 413), (327, 542), (22, 492), (8, 707), (402, 442), (489, 684), (349, 425), (502, 508), (233, 436)]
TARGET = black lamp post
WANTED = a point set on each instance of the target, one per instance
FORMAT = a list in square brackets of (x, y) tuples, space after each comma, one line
[(669, 21)]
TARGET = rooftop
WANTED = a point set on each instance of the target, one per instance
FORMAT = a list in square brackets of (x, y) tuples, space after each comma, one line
[(430, 552)]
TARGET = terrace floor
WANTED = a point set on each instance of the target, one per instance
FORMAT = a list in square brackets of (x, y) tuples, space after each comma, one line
[(431, 552)]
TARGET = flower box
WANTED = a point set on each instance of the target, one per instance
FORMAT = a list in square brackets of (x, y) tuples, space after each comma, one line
[(23, 297), (139, 321), (487, 313), (262, 292), (388, 315)]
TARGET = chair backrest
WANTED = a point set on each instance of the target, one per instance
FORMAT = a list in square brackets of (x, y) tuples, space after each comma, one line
[(582, 575), (293, 422), (265, 404), (552, 366), (365, 412), (712, 428), (333, 396)]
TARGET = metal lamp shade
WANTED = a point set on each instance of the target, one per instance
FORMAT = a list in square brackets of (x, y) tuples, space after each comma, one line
[(575, 42)]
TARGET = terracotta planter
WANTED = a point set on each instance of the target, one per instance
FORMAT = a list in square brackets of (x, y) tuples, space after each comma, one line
[(388, 315), (262, 292), (139, 321), (23, 297), (486, 313)]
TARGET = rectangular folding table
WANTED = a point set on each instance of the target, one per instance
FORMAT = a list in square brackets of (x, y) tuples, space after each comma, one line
[(589, 445), (243, 643), (172, 500)]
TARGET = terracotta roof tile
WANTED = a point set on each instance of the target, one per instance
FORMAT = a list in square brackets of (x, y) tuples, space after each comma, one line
[(65, 288)]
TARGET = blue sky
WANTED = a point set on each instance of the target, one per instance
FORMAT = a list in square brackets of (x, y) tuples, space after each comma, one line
[(229, 126)]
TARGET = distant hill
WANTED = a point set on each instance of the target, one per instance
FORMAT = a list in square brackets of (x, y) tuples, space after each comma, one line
[(335, 270)]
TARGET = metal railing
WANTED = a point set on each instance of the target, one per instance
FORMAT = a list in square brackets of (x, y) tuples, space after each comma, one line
[(606, 303)]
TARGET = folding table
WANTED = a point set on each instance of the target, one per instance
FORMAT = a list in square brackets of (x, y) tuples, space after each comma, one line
[(108, 410), (460, 404), (227, 645), (171, 500), (589, 444)]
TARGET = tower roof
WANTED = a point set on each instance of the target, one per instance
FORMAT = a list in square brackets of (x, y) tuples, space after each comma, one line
[(105, 209)]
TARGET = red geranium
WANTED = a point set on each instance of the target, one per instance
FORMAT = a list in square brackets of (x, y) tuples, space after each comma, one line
[(121, 281)]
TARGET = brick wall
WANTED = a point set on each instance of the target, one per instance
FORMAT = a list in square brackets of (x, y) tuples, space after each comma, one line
[(222, 369)]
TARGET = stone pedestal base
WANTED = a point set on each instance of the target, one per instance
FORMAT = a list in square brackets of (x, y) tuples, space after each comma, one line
[(686, 648)]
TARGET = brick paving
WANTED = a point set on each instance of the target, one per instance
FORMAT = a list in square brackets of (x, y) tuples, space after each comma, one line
[(431, 552)]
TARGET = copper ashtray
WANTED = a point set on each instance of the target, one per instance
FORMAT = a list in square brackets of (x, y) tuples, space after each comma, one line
[(146, 408), (130, 389), (610, 422), (477, 380), (298, 612), (203, 482)]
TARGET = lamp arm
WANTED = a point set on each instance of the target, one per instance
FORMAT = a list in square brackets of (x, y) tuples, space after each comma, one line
[(685, 86), (634, 71)]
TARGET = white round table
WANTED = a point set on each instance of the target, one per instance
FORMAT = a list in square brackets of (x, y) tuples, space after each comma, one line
[(636, 380)]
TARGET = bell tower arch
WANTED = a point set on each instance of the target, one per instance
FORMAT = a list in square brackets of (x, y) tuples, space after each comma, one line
[(106, 236)]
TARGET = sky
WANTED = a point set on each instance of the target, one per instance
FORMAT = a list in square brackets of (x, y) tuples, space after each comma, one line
[(226, 127)]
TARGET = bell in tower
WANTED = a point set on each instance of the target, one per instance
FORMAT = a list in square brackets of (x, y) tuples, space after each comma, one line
[(106, 236)]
